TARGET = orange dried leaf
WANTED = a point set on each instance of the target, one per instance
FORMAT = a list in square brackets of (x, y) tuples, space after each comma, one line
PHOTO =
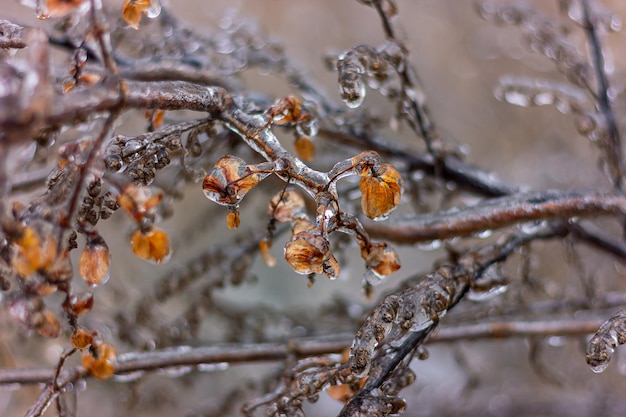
[(157, 118), (94, 263), (152, 245), (88, 79), (68, 85), (132, 10), (264, 248), (381, 194), (305, 148), (60, 8), (232, 220)]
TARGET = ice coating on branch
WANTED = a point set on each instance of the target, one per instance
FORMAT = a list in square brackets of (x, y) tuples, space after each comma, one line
[(413, 310), (602, 344)]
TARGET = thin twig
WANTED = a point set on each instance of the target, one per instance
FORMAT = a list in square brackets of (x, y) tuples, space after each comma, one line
[(614, 147)]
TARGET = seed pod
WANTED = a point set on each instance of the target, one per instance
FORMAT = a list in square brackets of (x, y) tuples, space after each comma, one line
[(381, 259), (81, 338), (381, 193), (151, 244), (95, 261), (287, 206), (307, 252), (230, 180), (100, 360)]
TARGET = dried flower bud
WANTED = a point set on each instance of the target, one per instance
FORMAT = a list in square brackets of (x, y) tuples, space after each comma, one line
[(381, 193), (100, 360), (287, 206), (230, 179), (307, 252), (95, 261), (152, 244), (81, 338), (304, 148), (50, 326)]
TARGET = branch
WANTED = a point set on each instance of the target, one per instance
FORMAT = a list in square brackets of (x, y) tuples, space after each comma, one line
[(498, 213)]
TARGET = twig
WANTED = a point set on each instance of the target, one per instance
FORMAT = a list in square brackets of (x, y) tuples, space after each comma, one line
[(614, 147)]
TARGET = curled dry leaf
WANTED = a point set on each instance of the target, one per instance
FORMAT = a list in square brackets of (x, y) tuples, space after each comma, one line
[(381, 193), (152, 244)]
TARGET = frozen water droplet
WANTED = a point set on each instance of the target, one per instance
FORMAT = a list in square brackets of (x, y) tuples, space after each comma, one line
[(478, 295), (484, 234), (516, 98), (353, 94), (372, 277), (129, 377), (599, 368), (212, 367), (177, 371), (154, 10), (430, 246)]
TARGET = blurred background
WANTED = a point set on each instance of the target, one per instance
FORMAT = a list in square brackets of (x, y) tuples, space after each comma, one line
[(459, 59)]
